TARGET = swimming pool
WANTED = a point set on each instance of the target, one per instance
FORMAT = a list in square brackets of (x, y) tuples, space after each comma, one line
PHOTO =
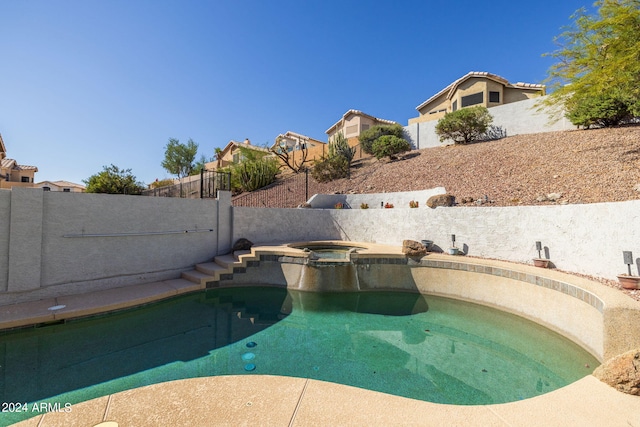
[(412, 345)]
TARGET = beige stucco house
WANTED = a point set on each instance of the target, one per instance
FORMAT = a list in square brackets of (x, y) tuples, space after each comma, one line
[(63, 186), (475, 88), (292, 141), (231, 154), (13, 174), (354, 122)]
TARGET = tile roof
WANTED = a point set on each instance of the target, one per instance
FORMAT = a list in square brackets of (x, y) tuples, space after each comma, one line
[(12, 164)]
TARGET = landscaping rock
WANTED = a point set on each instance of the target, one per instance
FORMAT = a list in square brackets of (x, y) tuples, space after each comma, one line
[(441, 200), (242, 245), (554, 196), (622, 372), (412, 248)]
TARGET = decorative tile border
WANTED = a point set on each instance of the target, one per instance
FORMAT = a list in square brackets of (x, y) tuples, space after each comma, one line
[(554, 285)]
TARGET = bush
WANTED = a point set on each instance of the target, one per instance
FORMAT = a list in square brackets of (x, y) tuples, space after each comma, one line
[(603, 110), (389, 146), (465, 125), (330, 168), (369, 136)]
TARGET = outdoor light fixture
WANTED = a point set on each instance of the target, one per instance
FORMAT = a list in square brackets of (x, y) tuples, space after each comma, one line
[(539, 249), (453, 240), (628, 259)]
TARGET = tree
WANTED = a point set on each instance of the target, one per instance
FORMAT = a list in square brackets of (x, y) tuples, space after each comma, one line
[(368, 137), (389, 146), (200, 165), (179, 158), (598, 69), (465, 125), (289, 158), (113, 180), (218, 156)]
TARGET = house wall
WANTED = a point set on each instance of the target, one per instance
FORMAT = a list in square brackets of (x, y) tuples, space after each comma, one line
[(514, 118), (55, 243)]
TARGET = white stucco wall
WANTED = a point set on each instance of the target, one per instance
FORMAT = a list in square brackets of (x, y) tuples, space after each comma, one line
[(516, 118), (587, 239), (374, 200)]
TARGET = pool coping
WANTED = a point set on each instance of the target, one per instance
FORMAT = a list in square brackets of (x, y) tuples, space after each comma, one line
[(306, 401)]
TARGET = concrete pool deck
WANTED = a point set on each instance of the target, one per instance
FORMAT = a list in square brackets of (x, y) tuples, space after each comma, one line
[(284, 401), (272, 400)]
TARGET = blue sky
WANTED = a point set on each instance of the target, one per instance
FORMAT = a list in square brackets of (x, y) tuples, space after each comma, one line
[(88, 83)]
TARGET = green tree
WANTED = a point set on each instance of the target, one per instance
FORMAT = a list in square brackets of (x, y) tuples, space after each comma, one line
[(369, 136), (390, 146), (179, 158), (598, 69), (200, 164), (113, 180), (465, 125)]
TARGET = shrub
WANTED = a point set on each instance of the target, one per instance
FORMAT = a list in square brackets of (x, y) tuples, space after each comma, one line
[(465, 125), (603, 110), (364, 206), (413, 204), (340, 147), (339, 205), (330, 168), (253, 174), (388, 205), (369, 136), (389, 146)]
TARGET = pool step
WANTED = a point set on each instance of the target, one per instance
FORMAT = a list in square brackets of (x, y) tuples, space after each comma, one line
[(212, 271)]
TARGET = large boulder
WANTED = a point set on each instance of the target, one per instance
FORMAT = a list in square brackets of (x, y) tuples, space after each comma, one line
[(412, 248), (441, 200), (242, 245), (622, 372)]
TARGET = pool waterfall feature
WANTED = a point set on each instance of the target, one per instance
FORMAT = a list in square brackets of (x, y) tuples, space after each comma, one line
[(590, 314)]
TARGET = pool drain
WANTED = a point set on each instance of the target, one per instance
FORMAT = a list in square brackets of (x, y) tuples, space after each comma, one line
[(251, 344), (248, 356), (249, 367)]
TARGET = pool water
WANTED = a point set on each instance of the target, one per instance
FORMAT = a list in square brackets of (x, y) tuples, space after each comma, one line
[(412, 345)]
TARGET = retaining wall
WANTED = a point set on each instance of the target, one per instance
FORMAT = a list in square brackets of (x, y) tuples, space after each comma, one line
[(586, 238)]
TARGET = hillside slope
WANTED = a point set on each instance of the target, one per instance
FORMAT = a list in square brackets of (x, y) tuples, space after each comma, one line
[(584, 166)]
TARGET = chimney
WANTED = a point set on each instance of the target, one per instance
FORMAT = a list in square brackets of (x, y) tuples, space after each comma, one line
[(246, 141)]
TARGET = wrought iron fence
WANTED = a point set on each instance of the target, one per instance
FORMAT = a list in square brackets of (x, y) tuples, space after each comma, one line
[(205, 185), (287, 192)]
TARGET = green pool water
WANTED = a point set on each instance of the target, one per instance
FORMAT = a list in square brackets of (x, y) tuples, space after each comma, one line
[(418, 346)]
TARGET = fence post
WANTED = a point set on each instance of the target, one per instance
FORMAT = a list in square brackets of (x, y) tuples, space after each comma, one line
[(202, 183), (306, 185)]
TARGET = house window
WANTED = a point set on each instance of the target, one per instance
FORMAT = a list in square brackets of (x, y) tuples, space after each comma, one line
[(455, 105), (494, 96), (46, 188), (236, 158), (24, 179), (352, 129), (476, 98), (66, 190), (364, 127)]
